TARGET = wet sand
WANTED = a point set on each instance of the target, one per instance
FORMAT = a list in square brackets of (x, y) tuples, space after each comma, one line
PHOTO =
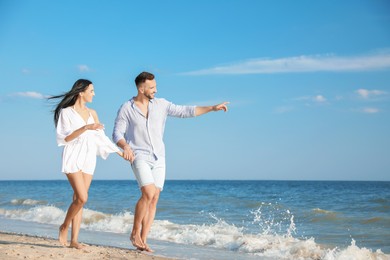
[(15, 246)]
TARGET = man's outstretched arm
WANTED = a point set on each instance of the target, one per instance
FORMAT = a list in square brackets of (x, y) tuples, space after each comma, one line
[(204, 110)]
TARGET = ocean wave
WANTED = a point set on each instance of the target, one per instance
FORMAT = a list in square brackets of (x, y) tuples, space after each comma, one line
[(384, 222), (40, 214), (116, 223), (320, 215), (323, 211), (219, 235), (92, 220), (355, 252), (222, 235), (28, 202)]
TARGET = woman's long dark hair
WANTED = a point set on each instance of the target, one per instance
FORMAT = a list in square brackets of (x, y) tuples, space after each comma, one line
[(69, 98)]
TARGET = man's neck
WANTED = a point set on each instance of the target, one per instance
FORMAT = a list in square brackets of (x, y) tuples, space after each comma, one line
[(141, 99)]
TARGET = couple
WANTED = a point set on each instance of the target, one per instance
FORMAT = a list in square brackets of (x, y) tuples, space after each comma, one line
[(138, 131)]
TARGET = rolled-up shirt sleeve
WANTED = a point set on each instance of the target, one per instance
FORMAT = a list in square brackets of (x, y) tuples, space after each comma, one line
[(63, 128), (180, 111), (120, 125)]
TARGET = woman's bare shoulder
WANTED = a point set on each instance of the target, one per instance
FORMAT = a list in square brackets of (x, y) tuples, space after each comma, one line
[(92, 111), (94, 115)]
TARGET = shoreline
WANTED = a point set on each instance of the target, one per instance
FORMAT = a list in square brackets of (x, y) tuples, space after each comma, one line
[(22, 246)]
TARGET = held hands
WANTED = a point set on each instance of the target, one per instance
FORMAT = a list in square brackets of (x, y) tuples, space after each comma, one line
[(222, 106), (128, 154)]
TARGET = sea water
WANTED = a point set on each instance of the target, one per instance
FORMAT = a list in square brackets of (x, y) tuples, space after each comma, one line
[(218, 219)]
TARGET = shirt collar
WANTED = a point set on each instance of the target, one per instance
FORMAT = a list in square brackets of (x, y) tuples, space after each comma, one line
[(132, 100), (133, 103)]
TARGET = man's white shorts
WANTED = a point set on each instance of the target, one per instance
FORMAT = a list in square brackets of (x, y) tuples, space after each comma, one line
[(149, 172)]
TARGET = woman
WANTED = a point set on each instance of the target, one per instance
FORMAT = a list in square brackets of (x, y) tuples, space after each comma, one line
[(82, 135)]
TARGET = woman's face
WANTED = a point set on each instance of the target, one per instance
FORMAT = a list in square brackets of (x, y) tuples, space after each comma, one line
[(87, 94)]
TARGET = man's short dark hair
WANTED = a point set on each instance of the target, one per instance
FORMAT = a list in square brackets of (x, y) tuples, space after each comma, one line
[(142, 77)]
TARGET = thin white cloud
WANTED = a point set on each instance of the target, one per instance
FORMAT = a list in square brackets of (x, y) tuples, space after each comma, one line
[(315, 99), (370, 110), (29, 94), (316, 63), (308, 101), (365, 93), (83, 68), (319, 99)]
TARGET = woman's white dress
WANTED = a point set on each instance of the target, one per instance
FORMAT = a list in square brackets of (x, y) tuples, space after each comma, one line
[(80, 153)]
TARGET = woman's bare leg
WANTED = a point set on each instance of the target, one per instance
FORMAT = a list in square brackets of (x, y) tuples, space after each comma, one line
[(76, 222), (76, 180)]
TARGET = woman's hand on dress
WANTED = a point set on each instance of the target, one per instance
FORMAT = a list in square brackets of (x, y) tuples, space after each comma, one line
[(95, 126)]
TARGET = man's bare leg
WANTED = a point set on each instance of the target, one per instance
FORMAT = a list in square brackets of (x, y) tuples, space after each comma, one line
[(149, 218), (141, 210)]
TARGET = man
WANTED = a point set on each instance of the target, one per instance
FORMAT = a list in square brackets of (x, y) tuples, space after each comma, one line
[(138, 130)]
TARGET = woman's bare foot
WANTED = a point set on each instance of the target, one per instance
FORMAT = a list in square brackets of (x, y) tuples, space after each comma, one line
[(137, 242), (63, 235), (76, 245), (148, 249)]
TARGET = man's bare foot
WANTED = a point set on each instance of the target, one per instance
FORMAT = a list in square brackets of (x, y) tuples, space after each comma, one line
[(137, 242), (76, 245), (63, 235)]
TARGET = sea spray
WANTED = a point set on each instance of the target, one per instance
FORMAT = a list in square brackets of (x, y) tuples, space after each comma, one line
[(273, 219)]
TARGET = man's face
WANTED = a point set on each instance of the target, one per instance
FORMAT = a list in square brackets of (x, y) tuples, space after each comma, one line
[(148, 88)]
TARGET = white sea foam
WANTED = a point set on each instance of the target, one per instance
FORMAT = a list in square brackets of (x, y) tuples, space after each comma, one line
[(219, 235), (356, 253), (222, 235), (40, 214), (116, 223)]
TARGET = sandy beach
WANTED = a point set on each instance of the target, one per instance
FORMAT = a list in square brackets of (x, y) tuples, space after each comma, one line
[(15, 246)]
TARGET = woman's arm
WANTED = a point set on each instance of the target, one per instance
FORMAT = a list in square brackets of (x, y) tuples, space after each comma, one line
[(81, 130)]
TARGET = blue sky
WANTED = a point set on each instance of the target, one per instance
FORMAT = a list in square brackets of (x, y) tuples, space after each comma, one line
[(308, 83)]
